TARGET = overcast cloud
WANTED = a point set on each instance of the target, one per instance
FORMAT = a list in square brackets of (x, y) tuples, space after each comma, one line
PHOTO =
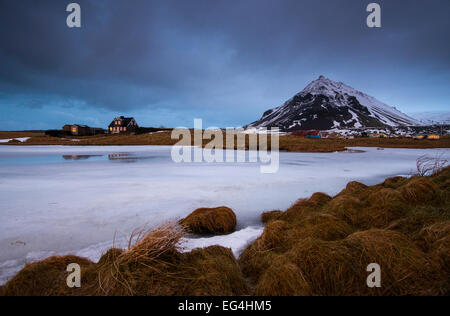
[(167, 62)]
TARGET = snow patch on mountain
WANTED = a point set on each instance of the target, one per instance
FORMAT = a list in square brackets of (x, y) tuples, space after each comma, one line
[(432, 117), (326, 104)]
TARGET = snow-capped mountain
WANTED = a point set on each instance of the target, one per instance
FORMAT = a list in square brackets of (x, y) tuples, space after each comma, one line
[(325, 104), (430, 118)]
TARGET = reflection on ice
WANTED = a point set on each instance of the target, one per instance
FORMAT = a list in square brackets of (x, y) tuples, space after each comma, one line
[(79, 157)]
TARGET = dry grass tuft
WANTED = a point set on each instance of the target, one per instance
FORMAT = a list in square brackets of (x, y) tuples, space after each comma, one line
[(282, 278), (385, 196), (406, 270), (220, 220), (441, 250), (321, 226), (382, 207), (151, 266), (394, 183), (270, 216), (110, 256), (305, 207), (353, 187), (315, 241), (274, 235), (44, 278), (428, 166), (255, 260), (216, 272), (419, 191), (346, 207), (319, 199), (435, 232), (328, 267)]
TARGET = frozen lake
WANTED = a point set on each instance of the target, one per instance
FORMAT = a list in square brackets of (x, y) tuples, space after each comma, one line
[(57, 200)]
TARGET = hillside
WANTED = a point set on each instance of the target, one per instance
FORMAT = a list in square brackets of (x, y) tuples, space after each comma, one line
[(325, 104)]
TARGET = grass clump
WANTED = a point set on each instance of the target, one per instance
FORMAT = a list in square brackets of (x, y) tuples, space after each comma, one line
[(219, 220), (328, 266), (110, 256), (324, 246), (282, 278), (44, 278), (346, 207), (270, 216), (394, 182), (305, 207), (153, 265), (353, 187), (216, 273), (420, 190), (406, 270), (322, 226)]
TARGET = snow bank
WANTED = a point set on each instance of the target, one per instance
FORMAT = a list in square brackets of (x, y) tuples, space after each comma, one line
[(21, 139), (237, 241)]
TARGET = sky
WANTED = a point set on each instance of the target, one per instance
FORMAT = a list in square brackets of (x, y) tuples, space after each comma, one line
[(168, 62)]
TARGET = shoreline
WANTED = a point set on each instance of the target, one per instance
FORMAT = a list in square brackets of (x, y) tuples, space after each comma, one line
[(335, 225), (286, 143)]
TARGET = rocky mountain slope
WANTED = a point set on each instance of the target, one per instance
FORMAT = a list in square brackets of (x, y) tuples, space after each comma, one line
[(325, 104)]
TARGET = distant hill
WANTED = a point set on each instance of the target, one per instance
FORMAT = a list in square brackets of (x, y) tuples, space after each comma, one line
[(432, 117), (325, 104)]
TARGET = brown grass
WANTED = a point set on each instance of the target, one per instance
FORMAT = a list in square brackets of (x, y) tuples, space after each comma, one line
[(434, 233), (321, 226), (153, 265), (44, 278), (394, 183), (406, 269), (329, 267), (419, 191), (441, 250), (305, 207), (270, 216), (353, 187), (346, 207), (287, 143), (401, 224), (282, 278), (219, 220)]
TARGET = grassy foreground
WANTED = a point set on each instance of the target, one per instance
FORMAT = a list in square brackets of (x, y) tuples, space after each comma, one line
[(287, 143), (319, 246)]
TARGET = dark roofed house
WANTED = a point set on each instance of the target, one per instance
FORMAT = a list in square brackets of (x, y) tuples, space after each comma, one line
[(81, 130), (123, 125)]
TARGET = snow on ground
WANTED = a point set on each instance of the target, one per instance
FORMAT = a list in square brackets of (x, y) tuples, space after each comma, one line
[(237, 241), (21, 139), (75, 199)]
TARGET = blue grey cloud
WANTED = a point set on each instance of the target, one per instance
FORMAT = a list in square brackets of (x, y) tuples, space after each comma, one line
[(224, 61)]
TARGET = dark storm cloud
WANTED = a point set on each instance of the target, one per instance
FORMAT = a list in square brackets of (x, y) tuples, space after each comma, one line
[(214, 55)]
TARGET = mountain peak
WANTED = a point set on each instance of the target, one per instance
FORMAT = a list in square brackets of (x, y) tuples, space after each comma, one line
[(327, 104)]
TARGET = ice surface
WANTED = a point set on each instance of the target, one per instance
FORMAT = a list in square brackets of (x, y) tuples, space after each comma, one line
[(74, 199)]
